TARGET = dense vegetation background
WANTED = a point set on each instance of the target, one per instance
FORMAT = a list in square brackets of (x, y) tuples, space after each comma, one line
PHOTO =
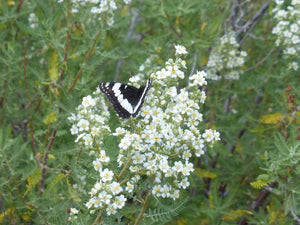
[(53, 53)]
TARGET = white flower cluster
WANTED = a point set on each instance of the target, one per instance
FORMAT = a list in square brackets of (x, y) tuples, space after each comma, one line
[(158, 147), (33, 20), (97, 7), (168, 134), (106, 193), (89, 122), (288, 29), (226, 60), (73, 214)]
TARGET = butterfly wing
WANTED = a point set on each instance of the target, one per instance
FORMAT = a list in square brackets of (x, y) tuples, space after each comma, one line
[(142, 92), (126, 100)]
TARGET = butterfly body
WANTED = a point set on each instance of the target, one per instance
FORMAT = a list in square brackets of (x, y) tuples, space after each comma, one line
[(126, 100)]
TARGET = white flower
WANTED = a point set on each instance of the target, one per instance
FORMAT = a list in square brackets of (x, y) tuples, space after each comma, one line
[(98, 186), (88, 140), (165, 191), (89, 204), (95, 10), (174, 71), (202, 97), (74, 10), (97, 165), (74, 130), (208, 135), (156, 190), (103, 157), (216, 135), (138, 158), (110, 210), (136, 78), (178, 166), (186, 155), (115, 188), (88, 101), (110, 21), (290, 51), (119, 131), (287, 33), (33, 20), (175, 194), (281, 14), (163, 165), (187, 169), (96, 202), (295, 39), (112, 5), (294, 28), (279, 2), (83, 125), (125, 142), (184, 183), (119, 202), (95, 131), (72, 118), (199, 79), (105, 197), (106, 175), (180, 50), (73, 211), (172, 91), (129, 187), (295, 66), (104, 5)]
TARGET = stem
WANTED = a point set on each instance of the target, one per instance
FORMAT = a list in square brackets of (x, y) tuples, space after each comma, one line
[(124, 168), (145, 203), (258, 201), (16, 185), (44, 167), (98, 219), (295, 217), (85, 60), (29, 107), (62, 71)]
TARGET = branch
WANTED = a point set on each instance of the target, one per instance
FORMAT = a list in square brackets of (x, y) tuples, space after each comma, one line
[(17, 186), (19, 6), (145, 203), (29, 108), (249, 25), (98, 219), (84, 61), (44, 166), (234, 14), (62, 71), (259, 200), (124, 169), (21, 196), (295, 217)]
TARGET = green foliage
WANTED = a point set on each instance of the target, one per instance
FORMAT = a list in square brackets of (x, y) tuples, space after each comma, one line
[(46, 70), (164, 213)]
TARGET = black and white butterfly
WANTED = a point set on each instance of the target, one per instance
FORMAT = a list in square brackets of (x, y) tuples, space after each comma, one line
[(126, 100)]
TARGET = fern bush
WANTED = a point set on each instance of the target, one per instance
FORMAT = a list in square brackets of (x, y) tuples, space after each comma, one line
[(53, 54)]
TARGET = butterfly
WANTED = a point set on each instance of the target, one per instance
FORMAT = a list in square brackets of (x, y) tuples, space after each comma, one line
[(126, 100)]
